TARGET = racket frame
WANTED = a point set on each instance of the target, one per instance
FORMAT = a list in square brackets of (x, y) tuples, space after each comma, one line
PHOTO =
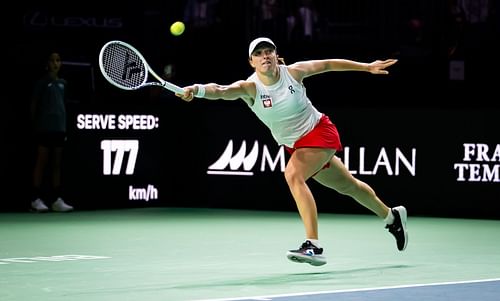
[(149, 71)]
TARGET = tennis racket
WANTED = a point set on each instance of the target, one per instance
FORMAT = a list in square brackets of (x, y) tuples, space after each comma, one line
[(125, 67)]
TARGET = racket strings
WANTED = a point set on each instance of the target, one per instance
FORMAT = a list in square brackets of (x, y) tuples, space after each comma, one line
[(123, 66)]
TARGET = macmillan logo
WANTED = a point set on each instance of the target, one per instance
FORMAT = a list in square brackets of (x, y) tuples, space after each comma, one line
[(242, 163)]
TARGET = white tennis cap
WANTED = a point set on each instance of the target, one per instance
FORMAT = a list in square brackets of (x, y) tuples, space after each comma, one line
[(256, 43)]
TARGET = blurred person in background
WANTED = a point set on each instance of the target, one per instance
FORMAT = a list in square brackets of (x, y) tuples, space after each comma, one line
[(48, 112)]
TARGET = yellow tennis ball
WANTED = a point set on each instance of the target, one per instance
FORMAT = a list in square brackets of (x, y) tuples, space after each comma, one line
[(177, 28)]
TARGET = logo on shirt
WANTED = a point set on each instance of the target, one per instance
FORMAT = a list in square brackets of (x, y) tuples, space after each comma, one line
[(267, 101)]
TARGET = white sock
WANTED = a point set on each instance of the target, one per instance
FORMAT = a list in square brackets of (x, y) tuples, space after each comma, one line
[(315, 242), (389, 219)]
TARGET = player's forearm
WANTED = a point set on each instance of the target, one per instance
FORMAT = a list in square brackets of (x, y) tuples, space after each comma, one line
[(346, 65), (216, 91)]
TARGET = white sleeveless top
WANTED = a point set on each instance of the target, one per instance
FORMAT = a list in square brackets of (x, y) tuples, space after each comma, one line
[(284, 108)]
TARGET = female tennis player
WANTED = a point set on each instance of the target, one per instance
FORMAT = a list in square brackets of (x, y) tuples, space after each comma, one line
[(276, 94)]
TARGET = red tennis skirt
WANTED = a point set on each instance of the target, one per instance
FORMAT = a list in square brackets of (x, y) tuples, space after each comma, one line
[(324, 135)]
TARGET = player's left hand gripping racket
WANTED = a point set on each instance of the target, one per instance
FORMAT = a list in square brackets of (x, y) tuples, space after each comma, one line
[(125, 67)]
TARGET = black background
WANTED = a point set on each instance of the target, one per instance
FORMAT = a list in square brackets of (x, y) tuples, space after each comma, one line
[(416, 106)]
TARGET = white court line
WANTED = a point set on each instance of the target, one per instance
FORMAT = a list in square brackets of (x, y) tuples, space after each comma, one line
[(270, 297), (55, 258)]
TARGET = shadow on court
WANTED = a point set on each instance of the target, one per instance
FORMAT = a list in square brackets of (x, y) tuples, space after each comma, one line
[(290, 279)]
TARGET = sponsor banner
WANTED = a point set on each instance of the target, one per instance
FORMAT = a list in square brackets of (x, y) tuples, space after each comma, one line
[(218, 154), (436, 162)]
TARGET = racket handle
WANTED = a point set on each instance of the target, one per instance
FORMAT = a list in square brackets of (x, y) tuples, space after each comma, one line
[(172, 87)]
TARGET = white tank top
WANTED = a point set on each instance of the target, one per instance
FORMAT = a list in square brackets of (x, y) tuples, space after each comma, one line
[(284, 108)]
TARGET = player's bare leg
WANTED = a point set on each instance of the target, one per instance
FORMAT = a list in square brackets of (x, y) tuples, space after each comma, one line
[(303, 164), (339, 178)]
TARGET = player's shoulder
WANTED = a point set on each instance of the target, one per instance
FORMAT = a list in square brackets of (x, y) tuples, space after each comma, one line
[(295, 70), (248, 85), (252, 77), (297, 65)]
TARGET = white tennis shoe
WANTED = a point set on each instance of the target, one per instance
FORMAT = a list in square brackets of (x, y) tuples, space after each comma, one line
[(39, 206), (60, 206)]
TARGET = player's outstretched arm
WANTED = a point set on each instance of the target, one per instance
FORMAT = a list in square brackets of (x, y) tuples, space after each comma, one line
[(239, 89), (307, 68)]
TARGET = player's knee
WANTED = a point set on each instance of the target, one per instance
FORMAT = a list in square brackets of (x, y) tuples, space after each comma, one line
[(292, 176)]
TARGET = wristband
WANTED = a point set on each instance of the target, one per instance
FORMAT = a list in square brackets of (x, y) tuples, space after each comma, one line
[(201, 91)]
